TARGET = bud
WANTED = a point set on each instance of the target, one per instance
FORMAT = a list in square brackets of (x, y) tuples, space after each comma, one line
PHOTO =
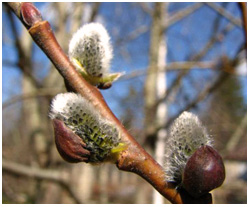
[(91, 52), (99, 136), (30, 14), (189, 148), (70, 146), (203, 172)]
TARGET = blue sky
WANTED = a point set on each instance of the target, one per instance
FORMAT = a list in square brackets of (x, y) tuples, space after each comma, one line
[(184, 39)]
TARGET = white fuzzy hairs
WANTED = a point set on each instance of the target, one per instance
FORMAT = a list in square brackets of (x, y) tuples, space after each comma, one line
[(185, 136), (64, 103), (77, 113), (90, 45)]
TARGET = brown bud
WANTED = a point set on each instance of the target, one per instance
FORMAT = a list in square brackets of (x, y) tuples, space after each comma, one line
[(70, 146), (203, 172), (30, 14)]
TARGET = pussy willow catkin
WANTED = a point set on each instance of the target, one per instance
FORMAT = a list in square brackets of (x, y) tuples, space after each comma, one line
[(91, 47), (185, 136), (99, 135)]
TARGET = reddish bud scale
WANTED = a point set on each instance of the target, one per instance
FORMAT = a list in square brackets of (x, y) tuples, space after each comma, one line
[(30, 14), (70, 146), (203, 172)]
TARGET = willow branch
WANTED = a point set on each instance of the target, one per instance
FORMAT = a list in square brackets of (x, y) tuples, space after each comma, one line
[(134, 158)]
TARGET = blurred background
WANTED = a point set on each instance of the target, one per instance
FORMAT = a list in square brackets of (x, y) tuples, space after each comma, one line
[(177, 57)]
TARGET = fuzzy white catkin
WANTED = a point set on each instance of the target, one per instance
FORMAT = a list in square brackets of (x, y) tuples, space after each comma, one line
[(99, 135), (186, 135), (90, 45), (64, 104)]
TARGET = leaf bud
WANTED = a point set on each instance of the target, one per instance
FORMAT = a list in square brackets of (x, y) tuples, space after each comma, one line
[(30, 14)]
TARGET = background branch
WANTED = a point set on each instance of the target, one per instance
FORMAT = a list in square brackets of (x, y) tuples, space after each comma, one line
[(181, 14), (40, 92), (51, 175), (235, 138), (225, 13), (173, 66), (21, 46), (58, 176), (243, 7), (94, 11), (203, 94)]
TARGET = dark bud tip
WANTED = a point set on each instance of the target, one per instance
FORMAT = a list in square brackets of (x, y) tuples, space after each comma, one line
[(104, 86), (70, 146), (203, 172), (188, 199), (30, 14)]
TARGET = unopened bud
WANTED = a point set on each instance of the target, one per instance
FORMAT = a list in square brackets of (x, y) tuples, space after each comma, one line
[(30, 14), (203, 172), (70, 146)]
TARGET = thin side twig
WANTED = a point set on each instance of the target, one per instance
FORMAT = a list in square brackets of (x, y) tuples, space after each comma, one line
[(224, 13), (199, 55), (173, 66), (202, 95), (40, 92), (182, 14)]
